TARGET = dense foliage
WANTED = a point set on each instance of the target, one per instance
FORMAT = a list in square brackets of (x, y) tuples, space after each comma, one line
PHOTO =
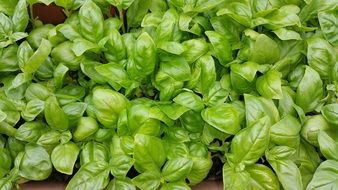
[(164, 88)]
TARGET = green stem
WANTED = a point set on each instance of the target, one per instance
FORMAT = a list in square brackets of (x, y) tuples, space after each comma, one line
[(122, 19), (31, 15), (67, 12), (7, 129)]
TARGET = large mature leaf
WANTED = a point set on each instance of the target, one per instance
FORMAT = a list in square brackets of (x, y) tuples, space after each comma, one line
[(310, 90), (64, 157), (94, 175), (223, 117), (250, 143), (325, 177), (149, 153)]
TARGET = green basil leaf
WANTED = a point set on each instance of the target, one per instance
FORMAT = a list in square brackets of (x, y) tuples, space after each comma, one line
[(311, 128), (149, 153), (285, 34), (46, 2), (227, 27), (54, 115), (329, 24), (287, 172), (9, 59), (258, 107), (219, 117), (144, 57), (207, 5), (136, 12), (33, 109), (328, 144), (330, 113), (5, 165), (91, 21), (49, 138), (94, 175), (200, 169), (311, 83), (334, 72), (172, 72), (176, 169), (14, 88), (208, 73), (120, 165), (80, 46), (67, 4), (108, 105), (166, 29), (235, 179), (115, 47), (111, 24), (88, 68), (141, 120), (46, 69), (307, 157), (290, 55), (173, 111), (102, 135), (59, 75), (70, 93), (37, 34), (281, 152), (243, 75), (285, 104), (269, 53), (269, 85), (152, 19), (63, 53), (321, 56), (6, 184), (176, 150), (121, 4), (114, 73), (262, 177), (192, 121), (68, 31), (149, 180), (8, 7), (286, 132), (282, 17), (238, 11), (3, 116), (34, 62), (86, 127), (6, 25), (216, 95), (221, 46), (171, 47), (30, 131), (74, 111), (189, 100), (325, 176), (64, 157), (117, 184), (7, 129), (36, 91), (20, 17), (175, 185), (35, 163), (195, 48), (250, 143), (94, 152)]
